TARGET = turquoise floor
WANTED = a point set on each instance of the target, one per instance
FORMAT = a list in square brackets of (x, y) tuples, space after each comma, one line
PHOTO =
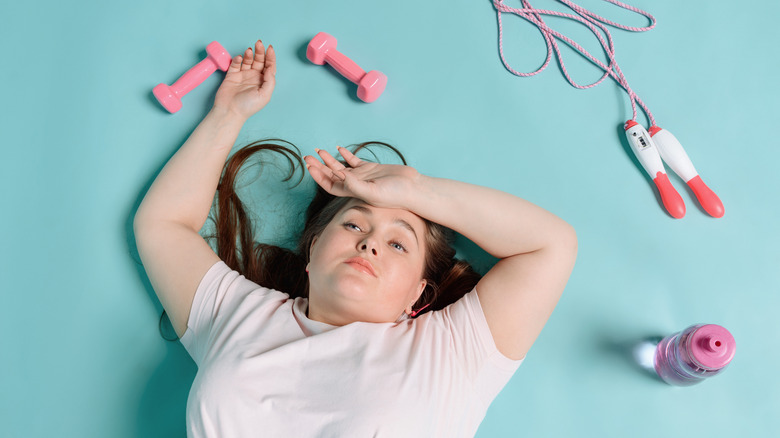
[(82, 138)]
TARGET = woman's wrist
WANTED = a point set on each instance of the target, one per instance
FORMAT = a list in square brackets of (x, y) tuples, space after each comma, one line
[(226, 115), (421, 193)]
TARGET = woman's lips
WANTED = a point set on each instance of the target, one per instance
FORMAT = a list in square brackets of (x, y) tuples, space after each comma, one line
[(361, 264)]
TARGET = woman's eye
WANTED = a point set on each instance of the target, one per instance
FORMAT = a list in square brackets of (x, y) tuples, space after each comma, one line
[(351, 226), (398, 246)]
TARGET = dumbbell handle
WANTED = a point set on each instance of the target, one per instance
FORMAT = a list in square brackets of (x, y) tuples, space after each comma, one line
[(347, 67), (194, 77)]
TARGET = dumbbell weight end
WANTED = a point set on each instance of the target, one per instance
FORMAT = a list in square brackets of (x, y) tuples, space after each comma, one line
[(167, 98), (371, 86)]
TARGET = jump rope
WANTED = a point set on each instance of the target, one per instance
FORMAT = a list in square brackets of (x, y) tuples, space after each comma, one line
[(652, 146)]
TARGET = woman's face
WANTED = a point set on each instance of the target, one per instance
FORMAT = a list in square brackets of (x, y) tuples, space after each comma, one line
[(366, 265)]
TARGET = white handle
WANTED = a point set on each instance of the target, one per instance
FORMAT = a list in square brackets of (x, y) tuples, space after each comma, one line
[(644, 148), (647, 152), (673, 153)]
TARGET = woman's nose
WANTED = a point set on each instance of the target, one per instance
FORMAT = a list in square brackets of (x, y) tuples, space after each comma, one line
[(368, 245)]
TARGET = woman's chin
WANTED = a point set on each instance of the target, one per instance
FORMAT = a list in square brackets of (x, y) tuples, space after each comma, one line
[(356, 286)]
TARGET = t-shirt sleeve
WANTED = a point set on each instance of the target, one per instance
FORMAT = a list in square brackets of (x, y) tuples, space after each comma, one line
[(474, 348), (223, 295)]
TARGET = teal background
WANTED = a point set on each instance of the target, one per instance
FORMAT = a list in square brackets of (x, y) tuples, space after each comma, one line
[(82, 138)]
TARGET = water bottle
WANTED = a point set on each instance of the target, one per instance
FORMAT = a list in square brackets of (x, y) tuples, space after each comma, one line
[(694, 354)]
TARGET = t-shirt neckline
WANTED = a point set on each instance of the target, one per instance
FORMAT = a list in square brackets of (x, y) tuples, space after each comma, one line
[(310, 327)]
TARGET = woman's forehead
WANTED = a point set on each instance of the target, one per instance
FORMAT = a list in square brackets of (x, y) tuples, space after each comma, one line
[(406, 216), (356, 204)]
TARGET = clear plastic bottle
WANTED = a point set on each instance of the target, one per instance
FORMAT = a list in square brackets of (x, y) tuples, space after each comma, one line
[(694, 354)]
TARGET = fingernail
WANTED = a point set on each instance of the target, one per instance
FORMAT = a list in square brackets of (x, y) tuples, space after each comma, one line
[(316, 150)]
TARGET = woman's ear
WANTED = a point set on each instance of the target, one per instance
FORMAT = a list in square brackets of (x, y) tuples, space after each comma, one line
[(423, 283), (409, 310), (311, 247)]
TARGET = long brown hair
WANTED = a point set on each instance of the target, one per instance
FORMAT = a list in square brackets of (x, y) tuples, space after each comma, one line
[(283, 269)]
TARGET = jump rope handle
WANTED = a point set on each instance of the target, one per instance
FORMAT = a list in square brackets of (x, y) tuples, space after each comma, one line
[(653, 145), (648, 155), (674, 155)]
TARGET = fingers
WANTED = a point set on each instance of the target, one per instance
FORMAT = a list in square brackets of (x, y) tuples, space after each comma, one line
[(322, 175), (256, 62), (248, 60), (333, 176), (312, 162), (349, 157), (269, 72), (259, 61), (331, 162), (319, 176), (263, 61), (235, 65), (334, 172)]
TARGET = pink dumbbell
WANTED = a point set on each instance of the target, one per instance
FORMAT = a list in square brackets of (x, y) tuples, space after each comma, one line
[(322, 49), (170, 97)]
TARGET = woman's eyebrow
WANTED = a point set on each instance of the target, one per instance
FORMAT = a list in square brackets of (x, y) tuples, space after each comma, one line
[(397, 221), (406, 225)]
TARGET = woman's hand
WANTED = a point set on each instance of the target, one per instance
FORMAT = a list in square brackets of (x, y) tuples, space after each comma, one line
[(381, 185), (249, 82)]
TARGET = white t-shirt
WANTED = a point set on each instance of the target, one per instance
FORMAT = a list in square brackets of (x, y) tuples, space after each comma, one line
[(266, 370)]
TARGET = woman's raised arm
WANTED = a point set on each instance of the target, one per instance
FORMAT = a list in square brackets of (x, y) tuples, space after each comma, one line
[(536, 249), (177, 204)]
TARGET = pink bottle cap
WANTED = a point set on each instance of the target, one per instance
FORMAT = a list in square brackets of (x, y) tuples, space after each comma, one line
[(712, 346)]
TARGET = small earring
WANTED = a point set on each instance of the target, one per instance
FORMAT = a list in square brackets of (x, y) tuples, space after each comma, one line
[(415, 312)]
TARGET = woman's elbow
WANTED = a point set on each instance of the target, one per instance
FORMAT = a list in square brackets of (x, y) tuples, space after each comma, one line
[(566, 240), (140, 221)]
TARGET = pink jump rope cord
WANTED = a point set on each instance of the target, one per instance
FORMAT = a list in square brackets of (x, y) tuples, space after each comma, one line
[(647, 151), (592, 21)]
